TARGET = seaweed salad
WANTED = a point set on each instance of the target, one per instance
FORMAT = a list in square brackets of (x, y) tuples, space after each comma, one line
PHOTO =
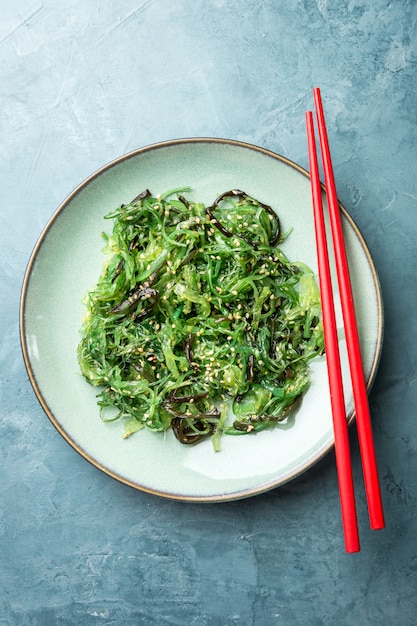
[(199, 322)]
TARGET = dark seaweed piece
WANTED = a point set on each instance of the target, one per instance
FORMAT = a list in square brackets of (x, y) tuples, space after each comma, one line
[(237, 193), (188, 350), (142, 196), (184, 201), (140, 293), (188, 435)]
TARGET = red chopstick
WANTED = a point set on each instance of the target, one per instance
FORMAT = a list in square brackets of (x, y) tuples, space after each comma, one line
[(360, 395), (340, 427)]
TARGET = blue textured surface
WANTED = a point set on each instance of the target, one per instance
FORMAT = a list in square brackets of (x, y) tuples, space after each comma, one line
[(84, 82)]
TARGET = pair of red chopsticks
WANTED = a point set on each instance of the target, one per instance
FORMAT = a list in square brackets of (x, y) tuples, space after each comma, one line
[(360, 396)]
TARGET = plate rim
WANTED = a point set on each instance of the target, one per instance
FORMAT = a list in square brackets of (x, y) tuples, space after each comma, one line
[(240, 494)]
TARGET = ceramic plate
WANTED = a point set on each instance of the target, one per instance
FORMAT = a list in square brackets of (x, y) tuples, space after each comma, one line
[(66, 262)]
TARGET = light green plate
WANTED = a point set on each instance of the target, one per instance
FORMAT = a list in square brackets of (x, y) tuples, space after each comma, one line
[(66, 262)]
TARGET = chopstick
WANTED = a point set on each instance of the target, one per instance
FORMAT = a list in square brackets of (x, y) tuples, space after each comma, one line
[(360, 395), (341, 435)]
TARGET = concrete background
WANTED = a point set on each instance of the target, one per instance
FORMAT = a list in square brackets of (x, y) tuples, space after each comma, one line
[(83, 82)]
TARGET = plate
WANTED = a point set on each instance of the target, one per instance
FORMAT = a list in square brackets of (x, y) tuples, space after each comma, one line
[(66, 263)]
